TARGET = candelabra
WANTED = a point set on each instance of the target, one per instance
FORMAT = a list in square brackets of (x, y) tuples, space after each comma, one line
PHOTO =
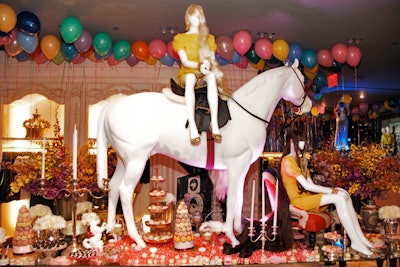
[(75, 192), (263, 232)]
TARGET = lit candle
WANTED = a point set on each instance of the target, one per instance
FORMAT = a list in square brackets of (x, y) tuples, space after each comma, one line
[(43, 158), (263, 204), (252, 205), (276, 204), (74, 154)]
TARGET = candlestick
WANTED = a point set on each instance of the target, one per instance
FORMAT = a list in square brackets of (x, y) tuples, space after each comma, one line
[(43, 158), (276, 204), (252, 207), (263, 204), (75, 154)]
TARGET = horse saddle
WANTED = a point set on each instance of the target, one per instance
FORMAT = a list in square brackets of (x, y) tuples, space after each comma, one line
[(202, 109)]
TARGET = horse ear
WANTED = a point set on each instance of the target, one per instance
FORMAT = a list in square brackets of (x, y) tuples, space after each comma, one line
[(295, 63)]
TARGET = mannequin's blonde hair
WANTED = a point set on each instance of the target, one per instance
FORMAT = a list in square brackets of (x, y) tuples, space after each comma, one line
[(204, 48)]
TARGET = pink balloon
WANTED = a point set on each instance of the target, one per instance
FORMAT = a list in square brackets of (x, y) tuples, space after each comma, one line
[(325, 58), (353, 56), (84, 42), (321, 109), (242, 42), (13, 48), (41, 58), (157, 48), (263, 48), (339, 52), (112, 61), (243, 63), (225, 47), (171, 52), (78, 59)]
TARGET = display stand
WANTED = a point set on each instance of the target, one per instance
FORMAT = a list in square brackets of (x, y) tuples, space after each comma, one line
[(160, 214)]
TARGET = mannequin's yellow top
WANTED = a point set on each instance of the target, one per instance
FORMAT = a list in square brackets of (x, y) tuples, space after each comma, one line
[(304, 200), (189, 43)]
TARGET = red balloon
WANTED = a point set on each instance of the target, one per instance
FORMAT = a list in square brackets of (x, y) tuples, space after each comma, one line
[(243, 63), (242, 42), (263, 48), (171, 52), (339, 52), (225, 47), (41, 58), (325, 58), (353, 56), (140, 50), (157, 48)]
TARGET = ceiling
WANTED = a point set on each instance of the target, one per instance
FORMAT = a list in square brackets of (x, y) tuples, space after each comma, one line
[(312, 24)]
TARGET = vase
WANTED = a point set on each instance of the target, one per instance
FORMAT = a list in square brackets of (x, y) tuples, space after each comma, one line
[(369, 215), (391, 226)]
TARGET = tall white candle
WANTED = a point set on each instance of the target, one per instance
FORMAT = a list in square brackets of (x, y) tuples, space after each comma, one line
[(252, 205), (263, 204), (43, 158), (75, 154), (276, 204)]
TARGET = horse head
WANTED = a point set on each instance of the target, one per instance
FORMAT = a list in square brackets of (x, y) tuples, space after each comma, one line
[(295, 88)]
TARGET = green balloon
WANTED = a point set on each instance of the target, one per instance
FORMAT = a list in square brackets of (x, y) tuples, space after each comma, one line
[(252, 55), (121, 50), (102, 43), (71, 29)]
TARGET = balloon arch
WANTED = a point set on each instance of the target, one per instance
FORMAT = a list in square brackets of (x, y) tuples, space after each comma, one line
[(19, 34)]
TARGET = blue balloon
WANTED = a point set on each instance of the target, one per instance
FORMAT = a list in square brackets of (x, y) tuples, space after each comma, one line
[(21, 57), (27, 42), (69, 51), (235, 58), (28, 22), (309, 58), (295, 51), (167, 60), (221, 61), (100, 57)]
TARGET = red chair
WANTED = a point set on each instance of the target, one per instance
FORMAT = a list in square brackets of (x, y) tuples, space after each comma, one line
[(311, 222)]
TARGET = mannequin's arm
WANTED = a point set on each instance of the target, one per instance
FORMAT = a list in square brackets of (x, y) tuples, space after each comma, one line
[(310, 186), (185, 61)]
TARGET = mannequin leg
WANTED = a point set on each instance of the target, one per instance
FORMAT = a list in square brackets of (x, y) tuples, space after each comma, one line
[(347, 222), (190, 81), (356, 223), (212, 94)]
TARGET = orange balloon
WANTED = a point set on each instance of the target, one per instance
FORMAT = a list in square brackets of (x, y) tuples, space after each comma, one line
[(8, 18), (346, 99), (152, 60), (140, 50), (50, 46), (311, 73), (280, 49)]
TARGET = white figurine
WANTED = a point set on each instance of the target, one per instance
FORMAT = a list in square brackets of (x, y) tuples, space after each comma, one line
[(92, 220)]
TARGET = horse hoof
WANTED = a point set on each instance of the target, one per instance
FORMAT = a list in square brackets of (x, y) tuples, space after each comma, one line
[(195, 141)]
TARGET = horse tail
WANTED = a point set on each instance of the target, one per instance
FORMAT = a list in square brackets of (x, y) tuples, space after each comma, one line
[(102, 142)]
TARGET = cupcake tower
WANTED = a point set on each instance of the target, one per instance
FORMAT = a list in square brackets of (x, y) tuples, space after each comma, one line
[(183, 234), (160, 221), (24, 236)]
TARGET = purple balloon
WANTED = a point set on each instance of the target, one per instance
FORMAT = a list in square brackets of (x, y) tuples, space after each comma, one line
[(132, 60), (84, 42)]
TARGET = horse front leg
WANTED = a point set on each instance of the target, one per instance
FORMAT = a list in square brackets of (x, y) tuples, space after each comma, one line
[(133, 171), (234, 202)]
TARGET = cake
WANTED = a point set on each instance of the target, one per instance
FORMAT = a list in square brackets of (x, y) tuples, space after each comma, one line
[(24, 236), (183, 234)]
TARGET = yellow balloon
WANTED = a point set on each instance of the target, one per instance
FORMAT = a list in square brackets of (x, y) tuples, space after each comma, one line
[(314, 111), (346, 99), (280, 49), (50, 46), (8, 18), (152, 60), (259, 66)]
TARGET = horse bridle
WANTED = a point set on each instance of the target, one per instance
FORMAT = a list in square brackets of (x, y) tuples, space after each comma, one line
[(263, 120)]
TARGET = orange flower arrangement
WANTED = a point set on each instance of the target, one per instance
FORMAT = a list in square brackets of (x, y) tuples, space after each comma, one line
[(366, 171)]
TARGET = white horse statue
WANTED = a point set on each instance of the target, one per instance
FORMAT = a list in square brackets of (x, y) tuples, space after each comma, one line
[(144, 124)]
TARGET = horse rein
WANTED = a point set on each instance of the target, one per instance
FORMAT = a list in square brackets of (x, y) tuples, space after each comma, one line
[(263, 120)]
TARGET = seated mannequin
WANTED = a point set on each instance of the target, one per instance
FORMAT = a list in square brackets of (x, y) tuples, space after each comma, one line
[(303, 193)]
